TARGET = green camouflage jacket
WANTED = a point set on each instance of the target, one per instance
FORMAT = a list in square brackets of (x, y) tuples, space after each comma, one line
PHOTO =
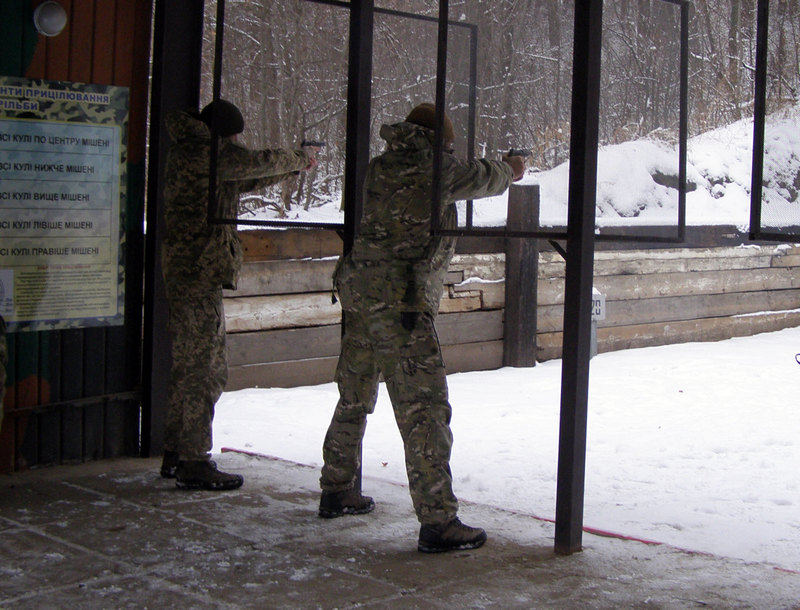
[(395, 261), (193, 249)]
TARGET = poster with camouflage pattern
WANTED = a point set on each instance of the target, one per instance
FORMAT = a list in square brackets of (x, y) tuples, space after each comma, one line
[(62, 200)]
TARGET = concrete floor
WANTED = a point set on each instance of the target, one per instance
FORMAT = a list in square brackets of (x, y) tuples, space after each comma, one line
[(114, 534)]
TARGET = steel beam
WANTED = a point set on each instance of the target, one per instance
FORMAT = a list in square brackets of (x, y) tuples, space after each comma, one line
[(579, 271), (359, 113), (177, 51)]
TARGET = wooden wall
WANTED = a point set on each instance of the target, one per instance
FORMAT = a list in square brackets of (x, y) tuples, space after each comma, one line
[(73, 394), (664, 296), (283, 329)]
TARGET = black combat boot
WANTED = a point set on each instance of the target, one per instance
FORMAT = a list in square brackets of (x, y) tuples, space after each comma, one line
[(451, 536), (169, 464), (203, 474), (347, 502)]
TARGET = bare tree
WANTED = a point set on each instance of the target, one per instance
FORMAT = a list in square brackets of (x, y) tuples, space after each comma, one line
[(285, 64)]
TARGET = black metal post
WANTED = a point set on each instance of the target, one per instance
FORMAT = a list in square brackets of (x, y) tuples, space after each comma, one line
[(177, 49), (359, 94), (438, 145), (759, 119), (579, 270), (359, 111), (473, 110), (683, 121), (219, 31)]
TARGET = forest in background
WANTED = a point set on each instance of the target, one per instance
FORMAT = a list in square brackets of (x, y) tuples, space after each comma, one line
[(285, 65)]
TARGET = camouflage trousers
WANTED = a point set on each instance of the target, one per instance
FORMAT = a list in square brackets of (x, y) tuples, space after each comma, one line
[(412, 367), (199, 367)]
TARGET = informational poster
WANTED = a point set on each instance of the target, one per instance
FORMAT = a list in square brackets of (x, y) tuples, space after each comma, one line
[(62, 199)]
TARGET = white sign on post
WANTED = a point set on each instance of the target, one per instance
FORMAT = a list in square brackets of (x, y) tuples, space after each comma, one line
[(598, 305)]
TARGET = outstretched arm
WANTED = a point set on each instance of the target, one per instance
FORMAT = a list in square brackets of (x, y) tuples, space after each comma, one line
[(479, 178), (238, 163)]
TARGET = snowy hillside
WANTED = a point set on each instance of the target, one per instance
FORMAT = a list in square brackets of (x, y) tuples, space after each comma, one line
[(636, 182)]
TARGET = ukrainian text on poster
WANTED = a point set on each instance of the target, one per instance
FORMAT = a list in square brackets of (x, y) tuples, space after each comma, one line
[(62, 171)]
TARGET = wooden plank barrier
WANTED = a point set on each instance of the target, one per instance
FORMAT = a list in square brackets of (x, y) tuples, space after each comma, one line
[(284, 329)]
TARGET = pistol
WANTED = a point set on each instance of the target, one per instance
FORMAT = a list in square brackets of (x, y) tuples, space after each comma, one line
[(519, 152), (317, 143)]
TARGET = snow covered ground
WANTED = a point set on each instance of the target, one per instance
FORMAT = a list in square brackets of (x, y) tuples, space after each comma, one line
[(694, 445)]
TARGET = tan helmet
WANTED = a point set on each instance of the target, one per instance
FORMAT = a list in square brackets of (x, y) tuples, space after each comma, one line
[(425, 116)]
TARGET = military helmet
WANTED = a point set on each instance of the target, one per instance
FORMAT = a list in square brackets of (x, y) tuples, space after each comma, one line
[(425, 116), (224, 117)]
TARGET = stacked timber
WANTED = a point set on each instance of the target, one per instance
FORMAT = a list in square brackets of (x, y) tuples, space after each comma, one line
[(284, 327), (659, 297)]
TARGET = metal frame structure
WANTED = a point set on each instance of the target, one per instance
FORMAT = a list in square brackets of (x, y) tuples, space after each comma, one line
[(580, 238), (176, 61), (580, 231), (757, 231), (213, 217), (579, 255), (578, 275), (658, 236), (759, 118), (358, 105), (683, 131)]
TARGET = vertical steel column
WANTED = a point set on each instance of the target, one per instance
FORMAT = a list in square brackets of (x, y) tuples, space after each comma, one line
[(578, 287), (219, 35), (359, 116), (359, 113), (683, 127), (473, 110), (177, 50), (440, 99), (759, 119)]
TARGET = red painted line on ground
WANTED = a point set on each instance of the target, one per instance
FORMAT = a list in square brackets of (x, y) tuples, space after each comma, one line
[(589, 530), (244, 451)]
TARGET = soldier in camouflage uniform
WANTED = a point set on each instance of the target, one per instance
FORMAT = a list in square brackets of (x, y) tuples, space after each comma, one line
[(199, 260), (389, 286)]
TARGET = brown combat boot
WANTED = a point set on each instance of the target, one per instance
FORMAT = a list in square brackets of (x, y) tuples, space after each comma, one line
[(451, 536), (203, 474), (347, 502)]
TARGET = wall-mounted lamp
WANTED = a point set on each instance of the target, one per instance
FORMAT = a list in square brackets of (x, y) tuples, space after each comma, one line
[(49, 18)]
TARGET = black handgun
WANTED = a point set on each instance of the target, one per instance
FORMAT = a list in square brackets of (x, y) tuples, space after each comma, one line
[(519, 152)]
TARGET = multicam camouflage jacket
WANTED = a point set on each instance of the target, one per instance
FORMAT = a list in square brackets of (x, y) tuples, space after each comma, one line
[(195, 250), (395, 261)]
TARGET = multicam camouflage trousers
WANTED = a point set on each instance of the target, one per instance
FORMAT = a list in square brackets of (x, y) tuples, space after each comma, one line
[(411, 363), (199, 367)]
